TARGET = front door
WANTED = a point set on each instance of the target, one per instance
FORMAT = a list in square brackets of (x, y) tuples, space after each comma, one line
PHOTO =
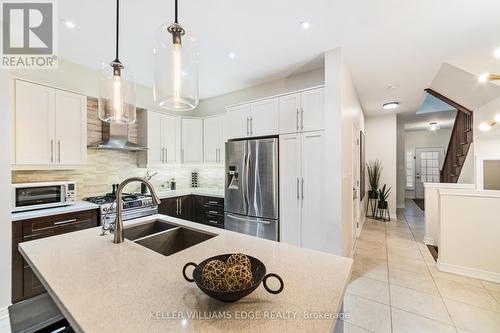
[(428, 164)]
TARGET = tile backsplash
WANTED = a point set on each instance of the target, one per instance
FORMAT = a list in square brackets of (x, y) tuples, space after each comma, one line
[(106, 167)]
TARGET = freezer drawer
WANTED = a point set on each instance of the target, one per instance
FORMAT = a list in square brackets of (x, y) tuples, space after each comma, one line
[(259, 227)]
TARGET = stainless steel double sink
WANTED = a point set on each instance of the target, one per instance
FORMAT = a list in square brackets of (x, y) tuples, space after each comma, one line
[(165, 238)]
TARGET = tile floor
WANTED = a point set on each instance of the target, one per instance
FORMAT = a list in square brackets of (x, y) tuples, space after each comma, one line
[(396, 287)]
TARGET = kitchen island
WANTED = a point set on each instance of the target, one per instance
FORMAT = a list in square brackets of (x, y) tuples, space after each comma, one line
[(103, 287)]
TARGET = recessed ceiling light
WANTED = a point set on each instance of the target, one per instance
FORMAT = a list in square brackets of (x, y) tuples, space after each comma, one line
[(392, 86), (497, 53), (304, 25), (497, 118), (484, 77), (231, 55), (390, 105), (68, 24)]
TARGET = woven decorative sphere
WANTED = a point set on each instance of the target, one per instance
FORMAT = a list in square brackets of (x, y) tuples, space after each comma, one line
[(239, 259), (213, 275), (238, 277)]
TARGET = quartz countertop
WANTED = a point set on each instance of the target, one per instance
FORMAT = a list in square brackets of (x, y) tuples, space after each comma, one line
[(76, 207), (104, 287), (209, 192)]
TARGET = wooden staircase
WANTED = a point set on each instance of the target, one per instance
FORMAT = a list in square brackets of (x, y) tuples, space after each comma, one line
[(460, 140)]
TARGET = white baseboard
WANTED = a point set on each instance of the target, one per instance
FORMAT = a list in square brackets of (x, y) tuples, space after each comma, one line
[(470, 272), (430, 241)]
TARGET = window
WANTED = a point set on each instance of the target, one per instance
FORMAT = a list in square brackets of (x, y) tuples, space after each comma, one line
[(410, 171)]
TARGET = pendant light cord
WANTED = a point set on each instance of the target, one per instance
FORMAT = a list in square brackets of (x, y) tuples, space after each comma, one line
[(176, 12), (118, 27)]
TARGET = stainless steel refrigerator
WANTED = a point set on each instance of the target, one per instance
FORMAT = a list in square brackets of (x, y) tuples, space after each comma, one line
[(251, 201)]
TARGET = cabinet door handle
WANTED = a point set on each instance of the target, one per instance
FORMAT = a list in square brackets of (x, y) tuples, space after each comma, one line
[(251, 125), (213, 212), (59, 150), (298, 197), (65, 222), (302, 118), (213, 222), (166, 155), (248, 125), (51, 151), (180, 206), (302, 188), (177, 206), (297, 118), (182, 155), (213, 202)]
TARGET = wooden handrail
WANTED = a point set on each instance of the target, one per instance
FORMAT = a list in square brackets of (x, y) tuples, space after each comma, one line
[(445, 99)]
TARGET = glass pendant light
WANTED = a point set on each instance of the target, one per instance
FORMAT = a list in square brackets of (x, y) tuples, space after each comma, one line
[(176, 68), (116, 88)]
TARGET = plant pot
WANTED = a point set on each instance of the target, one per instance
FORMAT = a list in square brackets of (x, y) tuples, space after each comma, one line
[(382, 205), (373, 194)]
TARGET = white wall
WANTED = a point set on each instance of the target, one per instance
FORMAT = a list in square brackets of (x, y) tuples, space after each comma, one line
[(401, 164), (5, 225), (469, 245), (342, 110), (425, 139), (215, 105), (381, 144)]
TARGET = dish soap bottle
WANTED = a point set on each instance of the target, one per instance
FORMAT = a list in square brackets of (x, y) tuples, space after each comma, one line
[(172, 184)]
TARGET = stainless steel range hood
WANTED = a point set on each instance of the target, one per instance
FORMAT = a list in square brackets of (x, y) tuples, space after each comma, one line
[(115, 136)]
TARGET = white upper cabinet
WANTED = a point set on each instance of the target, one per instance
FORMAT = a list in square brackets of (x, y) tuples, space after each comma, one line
[(312, 110), (50, 129), (163, 138), (192, 141), (237, 122), (71, 128), (155, 153), (252, 119), (302, 112), (289, 113), (171, 133), (213, 150), (264, 118)]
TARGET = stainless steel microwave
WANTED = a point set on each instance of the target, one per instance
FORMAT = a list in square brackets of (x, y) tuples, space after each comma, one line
[(29, 196)]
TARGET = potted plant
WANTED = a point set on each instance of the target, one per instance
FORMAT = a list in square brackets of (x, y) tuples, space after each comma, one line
[(383, 194), (374, 171)]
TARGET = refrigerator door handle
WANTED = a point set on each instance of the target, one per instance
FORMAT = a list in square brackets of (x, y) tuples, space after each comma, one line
[(247, 180), (247, 220), (302, 188), (298, 197)]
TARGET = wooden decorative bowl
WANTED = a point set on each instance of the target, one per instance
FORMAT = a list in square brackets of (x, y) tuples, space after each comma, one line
[(258, 272)]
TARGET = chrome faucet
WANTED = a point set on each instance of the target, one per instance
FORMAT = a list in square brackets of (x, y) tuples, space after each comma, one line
[(118, 227)]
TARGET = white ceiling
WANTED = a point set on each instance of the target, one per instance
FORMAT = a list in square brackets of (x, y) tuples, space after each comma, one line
[(386, 42)]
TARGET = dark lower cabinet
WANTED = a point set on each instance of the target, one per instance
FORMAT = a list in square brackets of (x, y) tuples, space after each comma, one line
[(25, 284), (180, 207), (195, 208)]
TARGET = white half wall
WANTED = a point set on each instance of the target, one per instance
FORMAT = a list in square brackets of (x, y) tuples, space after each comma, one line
[(381, 144), (468, 242), (5, 204), (432, 228)]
